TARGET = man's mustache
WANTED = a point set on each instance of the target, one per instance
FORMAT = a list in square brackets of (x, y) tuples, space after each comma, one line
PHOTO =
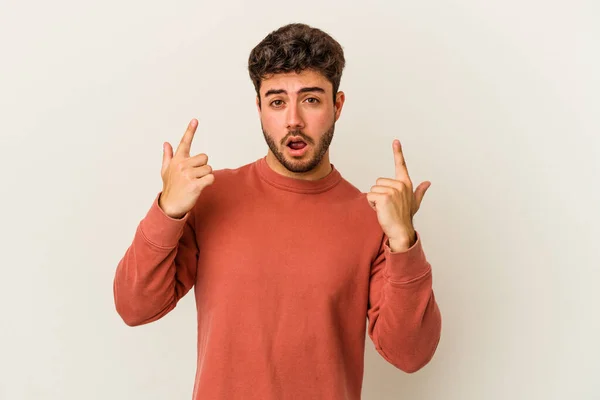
[(297, 133)]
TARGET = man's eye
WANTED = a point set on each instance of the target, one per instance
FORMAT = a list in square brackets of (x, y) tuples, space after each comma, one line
[(312, 100), (276, 103)]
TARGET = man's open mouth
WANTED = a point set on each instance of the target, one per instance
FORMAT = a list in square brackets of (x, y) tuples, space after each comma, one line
[(297, 145)]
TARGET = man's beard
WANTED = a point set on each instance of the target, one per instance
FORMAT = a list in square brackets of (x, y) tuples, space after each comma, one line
[(301, 166)]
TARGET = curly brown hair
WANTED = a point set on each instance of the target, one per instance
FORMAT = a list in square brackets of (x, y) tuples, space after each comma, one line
[(294, 48)]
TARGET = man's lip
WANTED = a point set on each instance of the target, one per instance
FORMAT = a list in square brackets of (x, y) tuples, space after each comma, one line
[(295, 139)]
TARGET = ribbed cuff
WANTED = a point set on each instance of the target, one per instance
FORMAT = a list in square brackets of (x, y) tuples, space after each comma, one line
[(406, 266), (160, 229)]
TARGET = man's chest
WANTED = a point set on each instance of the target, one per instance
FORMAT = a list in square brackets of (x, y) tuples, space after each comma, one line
[(295, 253)]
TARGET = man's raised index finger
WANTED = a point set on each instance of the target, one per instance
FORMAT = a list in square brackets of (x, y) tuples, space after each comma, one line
[(186, 141), (401, 169)]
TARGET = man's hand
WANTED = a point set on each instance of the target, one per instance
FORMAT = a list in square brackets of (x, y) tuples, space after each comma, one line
[(396, 204), (184, 177)]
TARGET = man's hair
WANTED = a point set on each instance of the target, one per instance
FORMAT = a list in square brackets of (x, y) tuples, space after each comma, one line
[(294, 48)]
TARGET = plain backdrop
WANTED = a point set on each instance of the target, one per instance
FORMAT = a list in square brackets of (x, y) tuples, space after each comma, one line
[(495, 102)]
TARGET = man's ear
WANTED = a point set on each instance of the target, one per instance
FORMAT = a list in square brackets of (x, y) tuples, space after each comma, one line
[(340, 98)]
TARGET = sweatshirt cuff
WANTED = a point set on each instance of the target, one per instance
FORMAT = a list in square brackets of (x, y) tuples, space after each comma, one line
[(406, 266), (161, 230)]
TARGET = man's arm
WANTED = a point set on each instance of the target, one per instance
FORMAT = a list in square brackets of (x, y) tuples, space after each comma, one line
[(158, 268), (404, 318)]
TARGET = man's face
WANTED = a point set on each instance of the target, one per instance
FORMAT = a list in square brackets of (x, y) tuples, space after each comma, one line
[(299, 106)]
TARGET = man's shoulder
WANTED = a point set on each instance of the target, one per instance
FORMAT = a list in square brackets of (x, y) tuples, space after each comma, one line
[(229, 182), (228, 186), (233, 173), (351, 193), (354, 201)]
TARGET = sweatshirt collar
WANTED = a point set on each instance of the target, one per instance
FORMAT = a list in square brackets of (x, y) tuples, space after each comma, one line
[(296, 185)]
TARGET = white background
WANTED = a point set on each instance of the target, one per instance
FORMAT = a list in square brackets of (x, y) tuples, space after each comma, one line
[(495, 102)]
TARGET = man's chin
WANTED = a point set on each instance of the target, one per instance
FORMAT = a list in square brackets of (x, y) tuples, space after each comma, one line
[(301, 164)]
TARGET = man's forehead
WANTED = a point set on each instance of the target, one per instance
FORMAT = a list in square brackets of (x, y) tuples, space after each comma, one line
[(292, 81)]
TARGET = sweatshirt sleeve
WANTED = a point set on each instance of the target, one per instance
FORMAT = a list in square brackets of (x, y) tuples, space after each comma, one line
[(404, 318), (157, 269)]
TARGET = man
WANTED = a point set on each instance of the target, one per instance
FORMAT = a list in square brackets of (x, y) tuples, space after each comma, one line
[(288, 260)]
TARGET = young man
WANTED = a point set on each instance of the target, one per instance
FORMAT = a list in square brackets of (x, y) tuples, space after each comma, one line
[(288, 260)]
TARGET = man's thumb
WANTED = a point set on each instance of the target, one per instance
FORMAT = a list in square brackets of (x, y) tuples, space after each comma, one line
[(167, 156)]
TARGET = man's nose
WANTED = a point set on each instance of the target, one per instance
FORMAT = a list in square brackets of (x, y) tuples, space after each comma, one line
[(294, 117)]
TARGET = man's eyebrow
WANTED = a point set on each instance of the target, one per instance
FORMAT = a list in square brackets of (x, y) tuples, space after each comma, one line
[(303, 90)]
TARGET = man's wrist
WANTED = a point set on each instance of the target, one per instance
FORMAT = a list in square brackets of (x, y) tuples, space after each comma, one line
[(402, 244), (165, 210)]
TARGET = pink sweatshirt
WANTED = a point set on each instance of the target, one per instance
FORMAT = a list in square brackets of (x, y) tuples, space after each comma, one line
[(286, 275)]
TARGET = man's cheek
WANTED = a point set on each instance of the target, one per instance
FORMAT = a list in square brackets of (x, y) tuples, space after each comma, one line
[(273, 121)]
